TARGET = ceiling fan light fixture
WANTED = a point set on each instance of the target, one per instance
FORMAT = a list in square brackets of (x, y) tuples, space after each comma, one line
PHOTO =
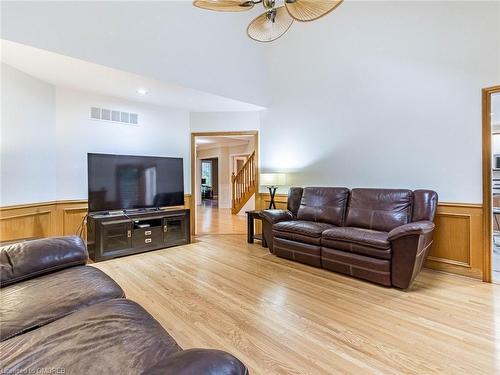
[(270, 25), (224, 5), (310, 10)]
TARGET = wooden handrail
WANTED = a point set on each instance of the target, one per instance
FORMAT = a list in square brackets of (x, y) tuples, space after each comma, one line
[(243, 183)]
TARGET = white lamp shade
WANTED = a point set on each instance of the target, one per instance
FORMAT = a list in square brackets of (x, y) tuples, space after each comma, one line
[(272, 179)]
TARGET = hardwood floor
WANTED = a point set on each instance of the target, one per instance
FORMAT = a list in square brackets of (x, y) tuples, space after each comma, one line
[(213, 220), (281, 317)]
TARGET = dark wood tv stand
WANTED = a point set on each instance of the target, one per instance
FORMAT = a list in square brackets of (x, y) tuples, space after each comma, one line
[(119, 234)]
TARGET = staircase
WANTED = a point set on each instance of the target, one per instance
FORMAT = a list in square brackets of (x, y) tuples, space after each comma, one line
[(243, 184)]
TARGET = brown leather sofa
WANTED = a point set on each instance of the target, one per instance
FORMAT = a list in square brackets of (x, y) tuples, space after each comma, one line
[(60, 316), (380, 235)]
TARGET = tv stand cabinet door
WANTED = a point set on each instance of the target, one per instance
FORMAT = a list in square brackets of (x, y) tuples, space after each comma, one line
[(116, 236), (175, 230)]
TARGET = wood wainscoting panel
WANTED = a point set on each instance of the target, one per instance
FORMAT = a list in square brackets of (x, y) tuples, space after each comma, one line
[(458, 238), (71, 216), (57, 218), (25, 221)]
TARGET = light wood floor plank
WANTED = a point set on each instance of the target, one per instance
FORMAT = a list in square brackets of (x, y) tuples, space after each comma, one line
[(282, 317), (214, 220)]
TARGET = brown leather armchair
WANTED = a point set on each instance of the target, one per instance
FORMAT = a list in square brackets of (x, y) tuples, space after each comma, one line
[(380, 235), (59, 315)]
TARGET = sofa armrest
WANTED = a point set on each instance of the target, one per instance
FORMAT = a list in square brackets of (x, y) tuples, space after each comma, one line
[(270, 217), (410, 245), (199, 362), (418, 227), (28, 259), (275, 216)]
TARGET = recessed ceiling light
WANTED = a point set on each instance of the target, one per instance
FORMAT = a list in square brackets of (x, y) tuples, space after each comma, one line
[(142, 91)]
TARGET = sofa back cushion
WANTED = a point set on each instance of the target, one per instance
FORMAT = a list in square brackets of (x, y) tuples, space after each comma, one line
[(324, 204), (294, 198), (379, 209), (24, 260), (424, 205)]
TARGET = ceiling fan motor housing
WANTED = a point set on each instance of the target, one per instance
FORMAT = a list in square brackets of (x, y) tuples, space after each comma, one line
[(268, 4)]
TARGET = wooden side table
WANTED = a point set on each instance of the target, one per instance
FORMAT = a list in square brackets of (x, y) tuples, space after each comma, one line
[(251, 236)]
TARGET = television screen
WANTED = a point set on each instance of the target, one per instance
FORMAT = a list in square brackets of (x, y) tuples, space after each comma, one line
[(120, 182)]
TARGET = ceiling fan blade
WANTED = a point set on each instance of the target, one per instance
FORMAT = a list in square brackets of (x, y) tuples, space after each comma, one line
[(270, 25), (224, 5), (310, 10)]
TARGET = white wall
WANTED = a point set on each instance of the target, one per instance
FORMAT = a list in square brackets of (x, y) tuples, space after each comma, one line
[(384, 95), (495, 109), (224, 121), (27, 155), (46, 134), (161, 132)]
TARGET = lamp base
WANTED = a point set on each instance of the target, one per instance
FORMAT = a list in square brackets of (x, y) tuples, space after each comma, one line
[(272, 193)]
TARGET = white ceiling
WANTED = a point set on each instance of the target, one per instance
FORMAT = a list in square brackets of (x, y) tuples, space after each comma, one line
[(169, 41), (69, 72)]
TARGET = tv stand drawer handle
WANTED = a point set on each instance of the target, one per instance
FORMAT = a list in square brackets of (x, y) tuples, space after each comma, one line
[(147, 233), (147, 240)]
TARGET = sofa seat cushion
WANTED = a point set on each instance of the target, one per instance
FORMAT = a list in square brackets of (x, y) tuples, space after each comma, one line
[(112, 337), (301, 231), (35, 302), (359, 241)]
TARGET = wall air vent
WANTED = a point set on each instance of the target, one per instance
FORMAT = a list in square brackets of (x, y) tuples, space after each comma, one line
[(112, 115)]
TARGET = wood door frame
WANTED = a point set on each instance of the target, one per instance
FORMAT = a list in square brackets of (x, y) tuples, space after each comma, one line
[(487, 195), (192, 204)]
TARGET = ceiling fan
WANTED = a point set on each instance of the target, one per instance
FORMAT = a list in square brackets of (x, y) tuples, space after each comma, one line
[(276, 20)]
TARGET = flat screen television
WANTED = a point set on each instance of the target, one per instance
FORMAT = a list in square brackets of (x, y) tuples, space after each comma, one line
[(122, 182)]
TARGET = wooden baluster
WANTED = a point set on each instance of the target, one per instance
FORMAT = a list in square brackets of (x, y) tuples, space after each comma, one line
[(252, 172), (244, 182), (232, 191)]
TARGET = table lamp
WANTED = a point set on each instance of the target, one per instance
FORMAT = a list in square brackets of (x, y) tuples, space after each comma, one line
[(272, 181)]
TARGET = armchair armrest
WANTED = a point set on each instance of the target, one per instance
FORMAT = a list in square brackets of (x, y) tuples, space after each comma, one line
[(410, 245), (270, 217), (24, 260), (199, 361), (275, 216), (418, 227)]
